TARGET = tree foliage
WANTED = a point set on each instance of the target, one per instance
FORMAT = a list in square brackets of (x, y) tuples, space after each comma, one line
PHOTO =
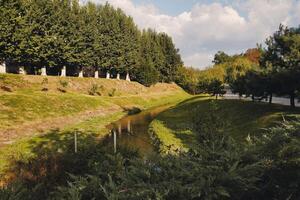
[(88, 37)]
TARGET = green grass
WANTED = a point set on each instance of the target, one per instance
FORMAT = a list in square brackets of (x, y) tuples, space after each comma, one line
[(26, 106), (25, 149), (176, 125)]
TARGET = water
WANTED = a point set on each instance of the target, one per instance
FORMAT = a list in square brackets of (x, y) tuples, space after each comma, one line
[(132, 131)]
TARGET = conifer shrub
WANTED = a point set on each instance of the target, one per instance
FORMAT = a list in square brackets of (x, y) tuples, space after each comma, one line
[(96, 90), (63, 84), (45, 84)]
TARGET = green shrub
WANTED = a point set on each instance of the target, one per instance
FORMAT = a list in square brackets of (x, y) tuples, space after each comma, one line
[(45, 84), (265, 167), (95, 90), (63, 85), (112, 92)]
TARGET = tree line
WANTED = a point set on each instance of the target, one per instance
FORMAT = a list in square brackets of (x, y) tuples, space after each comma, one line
[(258, 73), (63, 33)]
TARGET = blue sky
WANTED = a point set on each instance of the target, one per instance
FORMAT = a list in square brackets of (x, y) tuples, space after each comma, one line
[(175, 7), (200, 28)]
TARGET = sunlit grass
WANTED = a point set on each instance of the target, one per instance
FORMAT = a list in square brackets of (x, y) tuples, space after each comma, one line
[(176, 126)]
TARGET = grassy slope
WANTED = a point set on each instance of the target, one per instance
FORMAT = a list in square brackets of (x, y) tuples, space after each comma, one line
[(27, 104), (175, 126)]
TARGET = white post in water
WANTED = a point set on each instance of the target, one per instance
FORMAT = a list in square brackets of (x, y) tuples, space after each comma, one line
[(127, 77), (128, 126), (22, 71), (80, 75), (44, 71), (115, 141), (118, 76), (120, 129), (97, 74), (107, 75), (3, 68), (63, 71), (75, 142)]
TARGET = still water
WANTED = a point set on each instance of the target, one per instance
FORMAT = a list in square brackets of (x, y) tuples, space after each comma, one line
[(132, 131)]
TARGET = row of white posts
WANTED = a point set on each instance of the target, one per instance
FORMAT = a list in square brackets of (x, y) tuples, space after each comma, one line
[(63, 72)]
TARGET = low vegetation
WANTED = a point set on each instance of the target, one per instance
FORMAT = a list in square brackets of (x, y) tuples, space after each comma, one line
[(28, 114), (266, 166), (176, 127)]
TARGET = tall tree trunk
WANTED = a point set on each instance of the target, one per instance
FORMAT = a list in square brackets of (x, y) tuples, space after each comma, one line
[(252, 97), (292, 99), (270, 98)]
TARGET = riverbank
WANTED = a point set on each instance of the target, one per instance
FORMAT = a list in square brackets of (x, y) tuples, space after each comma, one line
[(176, 128), (31, 105), (35, 120)]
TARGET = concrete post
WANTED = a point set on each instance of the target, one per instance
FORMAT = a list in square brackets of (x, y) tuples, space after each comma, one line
[(63, 71), (3, 68), (80, 75), (115, 141), (97, 74), (128, 126), (118, 76), (107, 75), (127, 77), (120, 129), (44, 71), (22, 71)]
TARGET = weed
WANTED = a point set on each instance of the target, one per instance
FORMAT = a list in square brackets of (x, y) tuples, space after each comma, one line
[(45, 85), (63, 85), (112, 93), (95, 90)]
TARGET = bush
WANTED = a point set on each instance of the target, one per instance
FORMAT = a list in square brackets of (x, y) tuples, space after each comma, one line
[(63, 85), (45, 84), (112, 93), (265, 167), (95, 90)]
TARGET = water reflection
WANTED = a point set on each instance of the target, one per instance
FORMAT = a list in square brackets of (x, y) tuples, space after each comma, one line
[(132, 131)]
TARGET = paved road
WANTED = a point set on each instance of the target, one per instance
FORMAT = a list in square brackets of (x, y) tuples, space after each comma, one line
[(277, 100)]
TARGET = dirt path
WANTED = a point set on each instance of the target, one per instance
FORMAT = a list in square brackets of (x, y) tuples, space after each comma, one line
[(8, 136)]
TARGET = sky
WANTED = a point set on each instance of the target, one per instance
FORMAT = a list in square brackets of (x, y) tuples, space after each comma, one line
[(200, 28)]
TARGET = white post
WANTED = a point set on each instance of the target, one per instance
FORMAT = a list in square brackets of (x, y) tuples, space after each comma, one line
[(44, 71), (97, 74), (107, 75), (75, 142), (120, 129), (22, 70), (118, 76), (80, 75), (128, 126), (127, 77), (63, 71), (115, 141), (3, 68)]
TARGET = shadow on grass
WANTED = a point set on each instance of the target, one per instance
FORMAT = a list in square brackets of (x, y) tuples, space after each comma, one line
[(52, 159)]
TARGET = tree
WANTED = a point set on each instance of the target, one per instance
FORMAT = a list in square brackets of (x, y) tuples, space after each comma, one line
[(221, 57), (282, 55), (214, 87), (172, 60), (188, 78)]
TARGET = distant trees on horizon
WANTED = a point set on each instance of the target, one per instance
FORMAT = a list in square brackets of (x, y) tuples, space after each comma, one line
[(261, 72)]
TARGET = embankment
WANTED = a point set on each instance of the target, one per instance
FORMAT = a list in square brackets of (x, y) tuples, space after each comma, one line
[(177, 127), (30, 105)]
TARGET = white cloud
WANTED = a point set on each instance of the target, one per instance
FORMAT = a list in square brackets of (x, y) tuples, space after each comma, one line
[(207, 28)]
